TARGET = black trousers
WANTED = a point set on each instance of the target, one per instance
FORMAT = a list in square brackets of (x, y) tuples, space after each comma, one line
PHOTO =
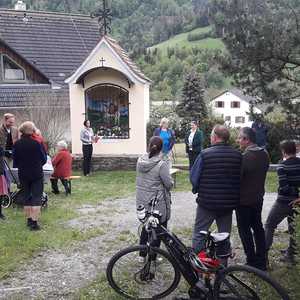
[(192, 157), (252, 235), (144, 239), (65, 182), (87, 151)]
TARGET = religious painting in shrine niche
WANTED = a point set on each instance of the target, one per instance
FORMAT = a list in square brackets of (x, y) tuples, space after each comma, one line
[(107, 107)]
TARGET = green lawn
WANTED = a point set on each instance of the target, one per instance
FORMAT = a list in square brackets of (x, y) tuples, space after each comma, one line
[(181, 41), (17, 243)]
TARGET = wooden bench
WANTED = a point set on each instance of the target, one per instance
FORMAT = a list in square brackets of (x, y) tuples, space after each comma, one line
[(173, 172), (70, 180)]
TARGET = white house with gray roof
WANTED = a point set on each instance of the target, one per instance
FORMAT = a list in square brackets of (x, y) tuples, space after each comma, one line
[(234, 106)]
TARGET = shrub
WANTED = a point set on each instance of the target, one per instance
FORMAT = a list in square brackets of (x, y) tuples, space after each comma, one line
[(199, 36)]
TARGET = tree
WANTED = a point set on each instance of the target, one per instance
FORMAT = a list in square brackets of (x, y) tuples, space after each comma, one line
[(50, 114), (263, 42), (192, 106)]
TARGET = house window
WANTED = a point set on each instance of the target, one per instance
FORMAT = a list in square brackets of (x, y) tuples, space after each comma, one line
[(219, 104), (228, 118), (239, 119), (11, 71), (107, 107), (235, 104)]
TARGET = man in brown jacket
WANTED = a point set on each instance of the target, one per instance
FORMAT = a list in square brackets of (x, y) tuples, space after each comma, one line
[(8, 134), (255, 166)]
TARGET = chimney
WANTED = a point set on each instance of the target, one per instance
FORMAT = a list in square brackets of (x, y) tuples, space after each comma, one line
[(20, 5)]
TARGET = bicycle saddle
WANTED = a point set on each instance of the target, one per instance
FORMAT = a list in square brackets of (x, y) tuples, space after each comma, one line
[(217, 237)]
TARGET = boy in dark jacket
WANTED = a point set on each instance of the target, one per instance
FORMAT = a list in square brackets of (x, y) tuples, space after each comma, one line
[(255, 166), (288, 191)]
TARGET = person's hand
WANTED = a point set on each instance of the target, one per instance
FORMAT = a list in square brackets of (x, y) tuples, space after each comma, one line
[(295, 202), (97, 138)]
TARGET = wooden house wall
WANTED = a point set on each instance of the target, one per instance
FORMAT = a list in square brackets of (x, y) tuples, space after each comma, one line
[(32, 75)]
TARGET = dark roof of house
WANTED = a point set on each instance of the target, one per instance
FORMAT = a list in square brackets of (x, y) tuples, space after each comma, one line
[(57, 44), (240, 94), (20, 95)]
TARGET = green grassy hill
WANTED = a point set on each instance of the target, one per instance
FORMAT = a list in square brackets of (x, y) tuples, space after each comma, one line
[(181, 40)]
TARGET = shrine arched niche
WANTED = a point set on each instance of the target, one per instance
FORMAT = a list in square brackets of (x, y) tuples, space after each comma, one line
[(107, 107)]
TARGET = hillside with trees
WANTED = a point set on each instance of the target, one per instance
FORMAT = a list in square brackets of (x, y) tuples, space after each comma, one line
[(136, 23)]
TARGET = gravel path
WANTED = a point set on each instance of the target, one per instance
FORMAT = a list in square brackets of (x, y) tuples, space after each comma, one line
[(57, 274)]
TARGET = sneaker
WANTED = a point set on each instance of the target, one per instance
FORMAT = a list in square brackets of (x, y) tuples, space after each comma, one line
[(284, 251), (2, 217), (55, 192), (141, 259), (287, 258)]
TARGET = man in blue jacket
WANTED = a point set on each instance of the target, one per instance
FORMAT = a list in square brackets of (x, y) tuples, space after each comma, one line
[(215, 177)]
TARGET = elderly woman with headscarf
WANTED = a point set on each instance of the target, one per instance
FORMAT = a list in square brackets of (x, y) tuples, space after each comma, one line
[(62, 164), (29, 157)]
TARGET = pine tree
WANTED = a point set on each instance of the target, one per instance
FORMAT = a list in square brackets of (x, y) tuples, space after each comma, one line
[(192, 106)]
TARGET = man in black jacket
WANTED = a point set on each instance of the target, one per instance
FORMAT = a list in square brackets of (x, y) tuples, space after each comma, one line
[(215, 176), (255, 166)]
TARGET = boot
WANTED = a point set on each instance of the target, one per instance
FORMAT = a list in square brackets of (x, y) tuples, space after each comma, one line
[(54, 186), (67, 185)]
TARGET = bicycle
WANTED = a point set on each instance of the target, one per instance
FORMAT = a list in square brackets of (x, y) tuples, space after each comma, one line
[(146, 272)]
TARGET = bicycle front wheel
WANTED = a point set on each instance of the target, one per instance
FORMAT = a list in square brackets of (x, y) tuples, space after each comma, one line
[(5, 201), (247, 283), (141, 272)]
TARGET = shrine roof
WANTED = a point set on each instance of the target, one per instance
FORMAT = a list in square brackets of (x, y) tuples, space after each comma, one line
[(125, 57)]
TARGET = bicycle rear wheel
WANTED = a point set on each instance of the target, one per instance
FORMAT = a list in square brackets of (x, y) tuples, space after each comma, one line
[(154, 278), (247, 283)]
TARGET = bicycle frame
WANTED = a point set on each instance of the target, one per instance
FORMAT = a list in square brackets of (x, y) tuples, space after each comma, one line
[(180, 253)]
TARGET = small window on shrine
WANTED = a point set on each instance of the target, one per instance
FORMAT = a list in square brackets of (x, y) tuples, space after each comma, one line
[(11, 71), (107, 107)]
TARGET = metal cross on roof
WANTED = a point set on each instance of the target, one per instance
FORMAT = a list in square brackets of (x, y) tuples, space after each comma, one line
[(104, 18)]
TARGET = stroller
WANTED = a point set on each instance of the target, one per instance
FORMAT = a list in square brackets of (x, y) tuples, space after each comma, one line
[(16, 197)]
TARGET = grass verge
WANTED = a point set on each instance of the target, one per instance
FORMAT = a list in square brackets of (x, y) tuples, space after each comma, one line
[(17, 243)]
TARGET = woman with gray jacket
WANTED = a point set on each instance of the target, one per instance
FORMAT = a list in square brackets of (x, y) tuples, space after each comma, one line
[(154, 181)]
